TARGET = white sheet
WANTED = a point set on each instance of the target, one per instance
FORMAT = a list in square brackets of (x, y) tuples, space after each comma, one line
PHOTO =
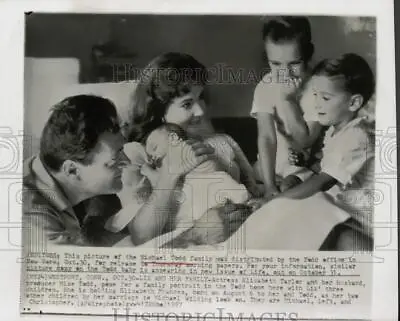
[(282, 224)]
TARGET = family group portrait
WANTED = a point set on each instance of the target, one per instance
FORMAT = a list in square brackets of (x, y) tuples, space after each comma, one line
[(199, 132)]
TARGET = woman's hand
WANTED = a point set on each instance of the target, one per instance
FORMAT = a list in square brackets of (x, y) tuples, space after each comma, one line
[(256, 190), (271, 193), (184, 156)]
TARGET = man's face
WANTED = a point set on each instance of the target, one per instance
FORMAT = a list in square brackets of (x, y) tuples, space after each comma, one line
[(103, 175)]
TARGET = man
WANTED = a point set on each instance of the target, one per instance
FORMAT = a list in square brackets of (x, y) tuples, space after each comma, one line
[(70, 186)]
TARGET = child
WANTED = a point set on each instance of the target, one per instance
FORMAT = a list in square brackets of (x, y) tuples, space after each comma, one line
[(281, 122), (341, 87), (224, 173)]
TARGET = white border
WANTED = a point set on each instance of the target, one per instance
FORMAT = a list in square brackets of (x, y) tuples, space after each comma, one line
[(11, 101)]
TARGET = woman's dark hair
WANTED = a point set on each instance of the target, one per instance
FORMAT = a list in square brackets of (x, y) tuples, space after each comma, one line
[(288, 28), (74, 128), (166, 77), (353, 70)]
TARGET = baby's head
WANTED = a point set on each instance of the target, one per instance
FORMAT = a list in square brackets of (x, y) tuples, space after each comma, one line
[(288, 45), (158, 140), (340, 87)]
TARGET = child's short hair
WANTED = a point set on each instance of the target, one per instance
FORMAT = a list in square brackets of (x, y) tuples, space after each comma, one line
[(355, 72), (288, 28)]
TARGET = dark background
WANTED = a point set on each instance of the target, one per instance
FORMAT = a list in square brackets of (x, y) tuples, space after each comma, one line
[(135, 39)]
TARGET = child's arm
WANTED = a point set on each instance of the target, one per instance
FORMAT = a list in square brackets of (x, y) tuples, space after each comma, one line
[(316, 183), (246, 170), (267, 146), (303, 134)]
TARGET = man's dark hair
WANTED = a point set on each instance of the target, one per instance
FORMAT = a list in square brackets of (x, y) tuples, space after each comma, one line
[(74, 128), (353, 70)]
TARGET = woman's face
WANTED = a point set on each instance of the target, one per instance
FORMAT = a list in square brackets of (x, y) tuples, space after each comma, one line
[(186, 110)]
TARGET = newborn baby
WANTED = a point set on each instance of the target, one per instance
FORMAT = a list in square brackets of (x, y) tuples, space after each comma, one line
[(210, 184)]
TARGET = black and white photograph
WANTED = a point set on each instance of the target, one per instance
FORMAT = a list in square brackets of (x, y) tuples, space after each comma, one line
[(197, 162), (184, 131)]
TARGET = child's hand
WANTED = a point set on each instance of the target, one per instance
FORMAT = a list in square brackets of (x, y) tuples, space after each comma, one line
[(289, 86), (296, 158), (289, 182)]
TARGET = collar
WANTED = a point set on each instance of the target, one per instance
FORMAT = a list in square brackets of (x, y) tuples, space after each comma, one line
[(352, 123), (48, 186)]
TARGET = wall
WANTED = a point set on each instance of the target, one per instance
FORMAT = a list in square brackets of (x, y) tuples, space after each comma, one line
[(231, 40)]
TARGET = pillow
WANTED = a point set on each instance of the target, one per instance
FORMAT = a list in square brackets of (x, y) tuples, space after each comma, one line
[(39, 101)]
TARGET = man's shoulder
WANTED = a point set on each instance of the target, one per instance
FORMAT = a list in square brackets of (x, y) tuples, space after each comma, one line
[(103, 206), (35, 194)]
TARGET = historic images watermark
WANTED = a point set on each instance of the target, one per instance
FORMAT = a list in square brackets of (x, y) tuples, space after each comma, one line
[(220, 314), (218, 74)]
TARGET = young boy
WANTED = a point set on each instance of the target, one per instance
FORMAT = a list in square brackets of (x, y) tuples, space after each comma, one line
[(341, 87), (282, 124)]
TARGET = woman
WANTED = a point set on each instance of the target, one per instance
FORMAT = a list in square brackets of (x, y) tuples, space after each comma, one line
[(171, 90)]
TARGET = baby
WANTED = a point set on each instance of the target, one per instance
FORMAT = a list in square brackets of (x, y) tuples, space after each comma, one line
[(228, 176)]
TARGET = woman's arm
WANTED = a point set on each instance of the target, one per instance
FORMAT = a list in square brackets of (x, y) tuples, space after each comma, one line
[(246, 170), (267, 146), (155, 212), (316, 183)]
